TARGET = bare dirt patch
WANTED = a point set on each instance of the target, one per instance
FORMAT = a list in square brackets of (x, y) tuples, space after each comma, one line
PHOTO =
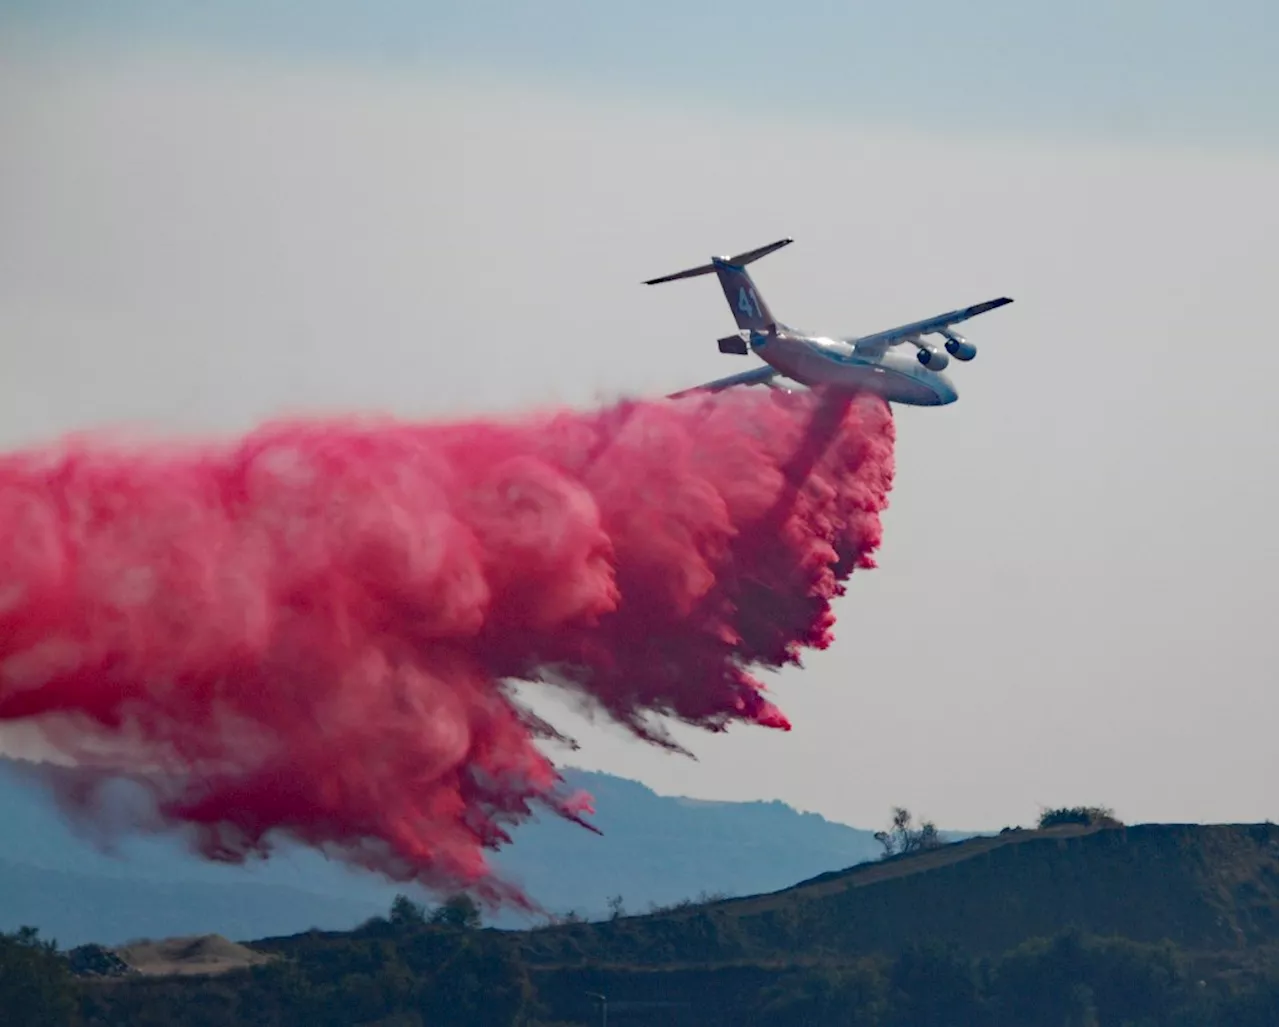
[(204, 954)]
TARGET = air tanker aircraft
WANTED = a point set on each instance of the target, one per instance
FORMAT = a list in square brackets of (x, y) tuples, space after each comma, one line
[(861, 364)]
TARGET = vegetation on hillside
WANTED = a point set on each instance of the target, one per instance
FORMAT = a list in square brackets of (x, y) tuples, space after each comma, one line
[(414, 975), (903, 838), (459, 911), (1089, 816), (36, 985)]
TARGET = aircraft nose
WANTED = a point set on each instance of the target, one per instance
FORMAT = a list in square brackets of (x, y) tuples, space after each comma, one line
[(945, 390)]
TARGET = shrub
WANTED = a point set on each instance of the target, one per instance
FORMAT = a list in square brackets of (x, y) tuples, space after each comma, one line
[(1090, 816)]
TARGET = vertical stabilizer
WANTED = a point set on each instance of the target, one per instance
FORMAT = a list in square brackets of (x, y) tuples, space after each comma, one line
[(749, 308)]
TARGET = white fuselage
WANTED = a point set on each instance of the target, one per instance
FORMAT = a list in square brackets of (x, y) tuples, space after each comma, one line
[(833, 363)]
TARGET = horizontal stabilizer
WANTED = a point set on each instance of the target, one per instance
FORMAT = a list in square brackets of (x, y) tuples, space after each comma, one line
[(743, 259), (739, 260)]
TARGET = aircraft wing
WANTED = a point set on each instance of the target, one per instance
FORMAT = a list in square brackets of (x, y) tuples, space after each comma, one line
[(756, 376), (881, 340)]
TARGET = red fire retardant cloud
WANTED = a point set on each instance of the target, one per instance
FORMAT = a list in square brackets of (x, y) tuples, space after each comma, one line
[(311, 632)]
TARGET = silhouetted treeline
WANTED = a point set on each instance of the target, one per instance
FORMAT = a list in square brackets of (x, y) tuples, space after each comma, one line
[(412, 974)]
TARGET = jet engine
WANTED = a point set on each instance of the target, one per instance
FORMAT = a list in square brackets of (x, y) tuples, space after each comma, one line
[(932, 358), (959, 348), (733, 344)]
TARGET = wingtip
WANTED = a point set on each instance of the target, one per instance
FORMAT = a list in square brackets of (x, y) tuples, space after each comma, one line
[(994, 304)]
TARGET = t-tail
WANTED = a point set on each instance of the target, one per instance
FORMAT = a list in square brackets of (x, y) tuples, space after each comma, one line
[(748, 306)]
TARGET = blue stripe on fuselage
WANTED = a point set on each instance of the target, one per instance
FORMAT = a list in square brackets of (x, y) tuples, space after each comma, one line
[(933, 382)]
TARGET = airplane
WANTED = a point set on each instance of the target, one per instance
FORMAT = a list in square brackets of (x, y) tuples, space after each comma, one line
[(857, 364)]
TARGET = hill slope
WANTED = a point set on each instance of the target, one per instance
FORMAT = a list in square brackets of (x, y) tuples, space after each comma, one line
[(659, 849), (655, 849), (1203, 887)]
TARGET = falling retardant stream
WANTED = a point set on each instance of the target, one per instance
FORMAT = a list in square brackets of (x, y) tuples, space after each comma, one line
[(312, 631)]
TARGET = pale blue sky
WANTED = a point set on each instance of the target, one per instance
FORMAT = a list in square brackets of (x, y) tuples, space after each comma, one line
[(1076, 597), (1169, 70)]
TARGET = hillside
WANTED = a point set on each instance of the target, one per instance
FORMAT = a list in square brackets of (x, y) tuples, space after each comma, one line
[(1202, 887), (1163, 925), (655, 849), (659, 849)]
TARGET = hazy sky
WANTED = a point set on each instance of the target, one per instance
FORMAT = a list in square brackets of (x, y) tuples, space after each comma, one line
[(209, 219)]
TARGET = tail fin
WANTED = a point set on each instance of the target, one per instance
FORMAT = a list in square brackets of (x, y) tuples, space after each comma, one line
[(749, 309)]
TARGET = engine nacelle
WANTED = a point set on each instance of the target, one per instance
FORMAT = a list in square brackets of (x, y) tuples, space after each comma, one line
[(959, 348), (933, 359), (733, 344)]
